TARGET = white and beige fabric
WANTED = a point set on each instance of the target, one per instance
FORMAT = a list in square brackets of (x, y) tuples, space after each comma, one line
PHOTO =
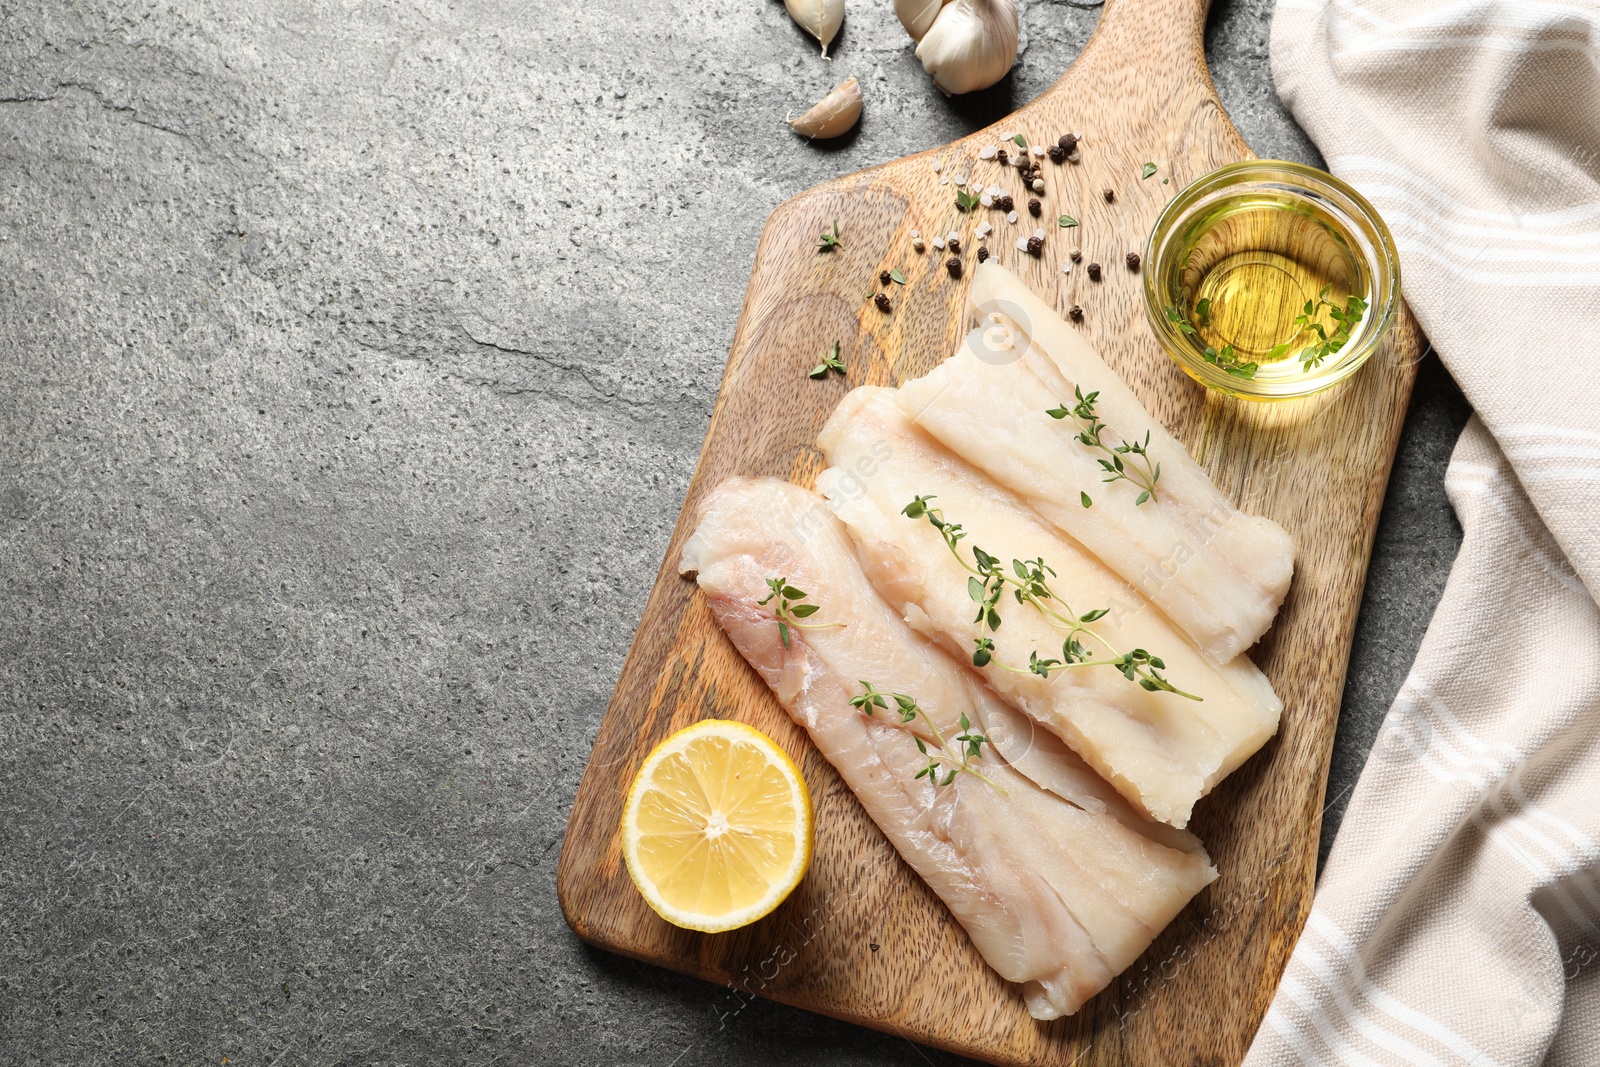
[(1458, 919)]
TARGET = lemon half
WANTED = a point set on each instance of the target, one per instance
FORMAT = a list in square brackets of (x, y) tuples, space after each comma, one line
[(716, 831)]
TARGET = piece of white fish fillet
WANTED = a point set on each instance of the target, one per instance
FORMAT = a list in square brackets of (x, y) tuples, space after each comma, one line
[(1218, 573), (1161, 751), (1058, 895)]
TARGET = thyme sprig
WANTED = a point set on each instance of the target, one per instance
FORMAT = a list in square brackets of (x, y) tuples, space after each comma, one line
[(1129, 461), (1029, 582), (1225, 358), (830, 361), (946, 761), (790, 611), (827, 242), (1347, 317)]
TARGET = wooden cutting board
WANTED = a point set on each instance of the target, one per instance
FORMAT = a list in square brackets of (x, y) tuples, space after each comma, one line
[(863, 938)]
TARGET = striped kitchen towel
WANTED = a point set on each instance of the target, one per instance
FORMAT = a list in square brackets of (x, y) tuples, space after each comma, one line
[(1458, 918)]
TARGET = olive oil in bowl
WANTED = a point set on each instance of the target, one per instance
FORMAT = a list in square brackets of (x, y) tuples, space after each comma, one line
[(1270, 280)]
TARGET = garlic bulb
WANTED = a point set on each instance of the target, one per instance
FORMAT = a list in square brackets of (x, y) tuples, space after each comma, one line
[(971, 44), (819, 18), (834, 114), (917, 15)]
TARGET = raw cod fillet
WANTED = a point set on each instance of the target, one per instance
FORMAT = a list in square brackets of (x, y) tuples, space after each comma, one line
[(1218, 573), (1060, 885), (1159, 750)]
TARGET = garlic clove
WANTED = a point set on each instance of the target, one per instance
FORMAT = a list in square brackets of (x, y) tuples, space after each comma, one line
[(820, 18), (834, 114), (917, 15), (971, 45)]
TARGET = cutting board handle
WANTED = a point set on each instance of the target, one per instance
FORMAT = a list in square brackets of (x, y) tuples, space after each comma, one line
[(1149, 36)]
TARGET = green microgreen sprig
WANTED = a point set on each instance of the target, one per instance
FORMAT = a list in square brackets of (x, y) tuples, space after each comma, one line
[(969, 198), (830, 362), (1030, 585), (1347, 317), (790, 611), (827, 242), (945, 761), (1128, 461), (1225, 358)]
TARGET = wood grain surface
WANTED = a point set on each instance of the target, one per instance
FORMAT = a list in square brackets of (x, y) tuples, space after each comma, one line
[(863, 938)]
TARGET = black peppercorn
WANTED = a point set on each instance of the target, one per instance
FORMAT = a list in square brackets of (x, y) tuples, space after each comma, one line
[(983, 253), (1094, 272), (1068, 142), (1133, 261), (1002, 158), (884, 278), (1075, 313), (883, 303), (1110, 196), (1057, 154), (955, 244), (1005, 203), (1034, 208), (953, 265), (1035, 246)]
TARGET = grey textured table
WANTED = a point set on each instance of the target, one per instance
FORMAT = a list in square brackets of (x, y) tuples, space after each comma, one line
[(353, 362)]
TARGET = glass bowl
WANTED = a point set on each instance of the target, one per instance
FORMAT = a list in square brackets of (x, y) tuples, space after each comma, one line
[(1247, 262)]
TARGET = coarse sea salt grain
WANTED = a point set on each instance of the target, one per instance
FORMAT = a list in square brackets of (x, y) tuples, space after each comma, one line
[(1022, 244), (1011, 217), (1037, 149), (937, 166), (1007, 135), (960, 179), (943, 180), (1039, 234), (987, 151), (995, 191), (986, 200), (983, 230), (952, 236), (1066, 266), (938, 242), (916, 233)]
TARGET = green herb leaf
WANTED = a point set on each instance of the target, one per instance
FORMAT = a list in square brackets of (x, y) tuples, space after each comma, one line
[(987, 581), (897, 276), (827, 242), (1147, 170), (803, 611), (830, 361), (1066, 221), (1083, 498), (1022, 142)]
